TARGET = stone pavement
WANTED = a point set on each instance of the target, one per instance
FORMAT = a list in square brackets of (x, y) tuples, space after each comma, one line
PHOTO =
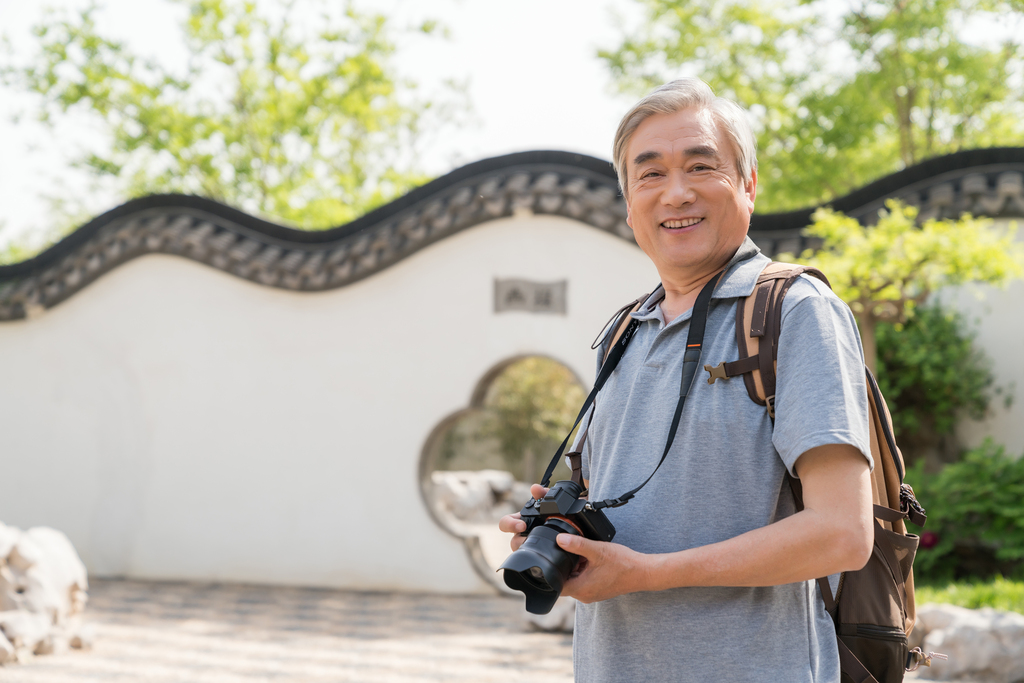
[(155, 632), (149, 632)]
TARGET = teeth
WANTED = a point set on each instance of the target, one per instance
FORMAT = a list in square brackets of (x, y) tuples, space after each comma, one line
[(681, 224)]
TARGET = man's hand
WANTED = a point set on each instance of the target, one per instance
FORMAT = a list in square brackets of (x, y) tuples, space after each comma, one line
[(513, 524), (604, 570)]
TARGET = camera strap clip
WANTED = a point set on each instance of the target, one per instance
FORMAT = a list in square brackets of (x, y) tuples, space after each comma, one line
[(610, 503)]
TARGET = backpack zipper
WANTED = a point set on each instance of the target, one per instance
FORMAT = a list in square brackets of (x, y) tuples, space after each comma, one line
[(839, 590), (894, 633)]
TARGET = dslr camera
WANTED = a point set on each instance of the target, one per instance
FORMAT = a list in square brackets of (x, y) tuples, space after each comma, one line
[(540, 567)]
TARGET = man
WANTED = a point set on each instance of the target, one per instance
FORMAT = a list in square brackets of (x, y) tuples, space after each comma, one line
[(711, 574)]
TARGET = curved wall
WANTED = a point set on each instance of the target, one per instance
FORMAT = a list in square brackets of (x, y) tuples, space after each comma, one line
[(178, 422), (994, 316), (192, 393)]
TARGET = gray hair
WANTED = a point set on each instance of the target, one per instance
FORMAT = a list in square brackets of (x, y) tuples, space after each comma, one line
[(683, 94)]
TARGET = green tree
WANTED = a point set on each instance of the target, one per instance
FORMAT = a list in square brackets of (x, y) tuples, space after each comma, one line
[(295, 117), (531, 406), (885, 270), (839, 97), (931, 374), (975, 517)]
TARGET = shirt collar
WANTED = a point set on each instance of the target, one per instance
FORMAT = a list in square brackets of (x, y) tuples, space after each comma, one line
[(739, 280)]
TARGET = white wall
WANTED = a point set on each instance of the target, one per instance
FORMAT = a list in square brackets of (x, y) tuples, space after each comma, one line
[(180, 423), (997, 315)]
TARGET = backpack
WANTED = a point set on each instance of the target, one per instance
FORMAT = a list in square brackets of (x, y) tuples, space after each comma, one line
[(873, 608)]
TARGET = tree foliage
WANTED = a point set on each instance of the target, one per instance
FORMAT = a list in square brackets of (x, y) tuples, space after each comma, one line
[(531, 406), (885, 270), (841, 93), (298, 118), (975, 516), (931, 374)]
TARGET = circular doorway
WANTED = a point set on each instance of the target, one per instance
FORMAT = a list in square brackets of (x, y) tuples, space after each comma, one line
[(479, 462)]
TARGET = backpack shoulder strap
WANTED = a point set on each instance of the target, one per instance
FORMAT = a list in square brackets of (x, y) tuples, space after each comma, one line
[(881, 593), (759, 318), (616, 325)]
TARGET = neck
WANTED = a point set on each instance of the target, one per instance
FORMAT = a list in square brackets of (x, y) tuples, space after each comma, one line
[(681, 290), (680, 297)]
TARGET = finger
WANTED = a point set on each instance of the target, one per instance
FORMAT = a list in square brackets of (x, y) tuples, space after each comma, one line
[(516, 542), (578, 545), (512, 524), (538, 491)]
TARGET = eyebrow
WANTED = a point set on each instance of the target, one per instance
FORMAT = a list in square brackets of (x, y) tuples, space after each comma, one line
[(702, 151), (645, 156), (698, 151)]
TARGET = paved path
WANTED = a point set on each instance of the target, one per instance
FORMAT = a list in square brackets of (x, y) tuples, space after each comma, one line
[(188, 633), (150, 632)]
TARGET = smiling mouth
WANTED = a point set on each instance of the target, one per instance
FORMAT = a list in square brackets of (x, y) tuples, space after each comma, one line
[(684, 223)]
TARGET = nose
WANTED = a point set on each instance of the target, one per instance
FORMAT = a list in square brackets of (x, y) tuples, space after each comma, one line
[(677, 191)]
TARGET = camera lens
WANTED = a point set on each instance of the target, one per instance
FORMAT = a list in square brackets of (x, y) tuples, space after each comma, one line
[(540, 568), (535, 576)]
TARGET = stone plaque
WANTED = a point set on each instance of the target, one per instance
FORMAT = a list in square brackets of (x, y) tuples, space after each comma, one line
[(535, 297)]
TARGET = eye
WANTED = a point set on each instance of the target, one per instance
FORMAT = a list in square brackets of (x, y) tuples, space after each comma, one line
[(649, 174)]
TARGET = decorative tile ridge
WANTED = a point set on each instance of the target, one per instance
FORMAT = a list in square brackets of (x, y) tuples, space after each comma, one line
[(994, 191), (542, 183), (982, 182), (987, 182)]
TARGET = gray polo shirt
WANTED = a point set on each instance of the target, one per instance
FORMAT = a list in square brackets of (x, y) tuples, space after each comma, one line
[(724, 476)]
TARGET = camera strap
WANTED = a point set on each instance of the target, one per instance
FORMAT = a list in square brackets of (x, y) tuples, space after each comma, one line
[(691, 361)]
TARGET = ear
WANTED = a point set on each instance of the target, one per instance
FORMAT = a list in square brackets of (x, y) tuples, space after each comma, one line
[(750, 190), (629, 215)]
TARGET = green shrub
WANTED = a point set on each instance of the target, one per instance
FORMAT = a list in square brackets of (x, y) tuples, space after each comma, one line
[(999, 593), (975, 511), (931, 374)]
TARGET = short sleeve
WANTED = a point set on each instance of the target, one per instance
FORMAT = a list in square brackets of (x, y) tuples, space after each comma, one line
[(821, 391)]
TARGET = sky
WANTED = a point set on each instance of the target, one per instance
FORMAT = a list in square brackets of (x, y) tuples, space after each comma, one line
[(534, 82), (530, 66)]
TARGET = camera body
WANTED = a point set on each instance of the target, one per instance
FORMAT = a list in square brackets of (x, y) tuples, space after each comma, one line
[(564, 501), (540, 567)]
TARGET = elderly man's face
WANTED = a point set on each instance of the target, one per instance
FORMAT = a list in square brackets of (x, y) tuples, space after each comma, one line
[(688, 207)]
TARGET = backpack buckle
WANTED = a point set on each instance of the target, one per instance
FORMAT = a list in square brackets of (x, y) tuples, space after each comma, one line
[(909, 506), (717, 372), (769, 402)]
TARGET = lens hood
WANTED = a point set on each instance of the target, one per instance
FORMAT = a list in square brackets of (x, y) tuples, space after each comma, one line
[(539, 568)]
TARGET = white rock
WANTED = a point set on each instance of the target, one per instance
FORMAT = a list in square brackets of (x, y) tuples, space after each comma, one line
[(24, 554), (500, 481), (8, 537), (981, 644), (84, 637), (478, 496), (61, 569), (561, 618), (9, 587), (43, 587), (25, 629), (933, 616), (7, 653), (53, 644)]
